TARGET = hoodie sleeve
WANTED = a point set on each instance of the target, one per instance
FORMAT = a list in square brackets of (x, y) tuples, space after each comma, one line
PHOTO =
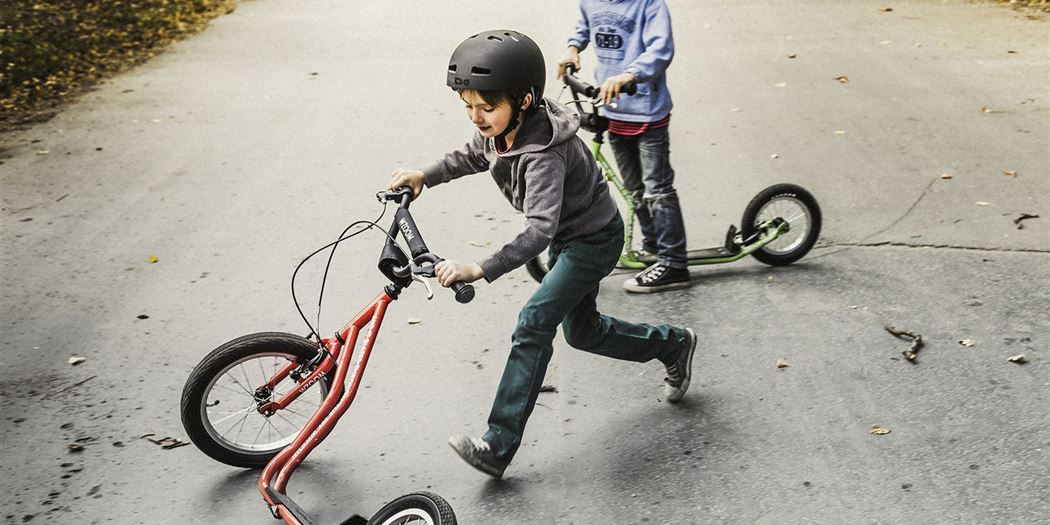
[(465, 161), (544, 194), (657, 41), (582, 36)]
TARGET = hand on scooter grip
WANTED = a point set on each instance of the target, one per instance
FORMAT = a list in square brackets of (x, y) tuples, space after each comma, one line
[(612, 87), (414, 179), (573, 59), (449, 272)]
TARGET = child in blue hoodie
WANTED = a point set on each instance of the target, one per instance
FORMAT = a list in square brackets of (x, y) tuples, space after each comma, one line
[(530, 147), (633, 42)]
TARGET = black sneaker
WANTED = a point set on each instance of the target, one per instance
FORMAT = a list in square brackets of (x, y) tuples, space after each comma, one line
[(478, 453), (657, 278), (680, 371)]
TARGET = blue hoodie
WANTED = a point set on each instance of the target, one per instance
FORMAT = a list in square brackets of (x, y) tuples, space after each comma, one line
[(630, 36)]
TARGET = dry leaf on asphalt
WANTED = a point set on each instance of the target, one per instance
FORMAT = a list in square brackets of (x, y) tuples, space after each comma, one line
[(946, 176), (879, 431), (152, 259), (413, 320), (792, 55), (967, 342), (480, 244), (1019, 359), (782, 363), (843, 79), (76, 360), (982, 203), (1010, 173), (886, 9)]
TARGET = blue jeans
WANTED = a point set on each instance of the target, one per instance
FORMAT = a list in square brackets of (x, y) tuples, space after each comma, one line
[(567, 297), (645, 165)]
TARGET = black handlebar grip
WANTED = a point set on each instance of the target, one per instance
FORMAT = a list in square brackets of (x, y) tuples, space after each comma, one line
[(631, 87), (464, 292), (579, 86)]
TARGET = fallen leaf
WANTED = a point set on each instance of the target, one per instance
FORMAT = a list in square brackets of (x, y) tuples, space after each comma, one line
[(840, 132), (75, 447), (792, 55), (414, 320), (986, 109), (166, 442), (480, 244), (782, 363), (885, 42), (946, 176), (76, 360), (152, 259), (735, 110), (879, 431), (1019, 359), (774, 156), (43, 152), (886, 9), (1010, 173), (780, 84), (842, 79), (982, 203), (967, 342)]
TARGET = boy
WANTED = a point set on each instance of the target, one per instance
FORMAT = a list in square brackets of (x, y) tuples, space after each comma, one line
[(529, 144), (632, 39)]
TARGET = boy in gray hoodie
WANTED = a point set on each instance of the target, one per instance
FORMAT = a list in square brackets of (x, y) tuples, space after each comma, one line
[(530, 147)]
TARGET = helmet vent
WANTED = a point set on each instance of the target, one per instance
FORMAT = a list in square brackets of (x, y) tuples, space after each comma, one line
[(496, 38), (512, 37), (452, 68), (480, 71)]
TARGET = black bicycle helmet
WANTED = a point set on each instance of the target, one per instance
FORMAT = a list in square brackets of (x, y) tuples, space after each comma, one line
[(498, 60)]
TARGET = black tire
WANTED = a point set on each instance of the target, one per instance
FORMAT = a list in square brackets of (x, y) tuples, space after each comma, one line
[(537, 268), (212, 383), (793, 204), (418, 508)]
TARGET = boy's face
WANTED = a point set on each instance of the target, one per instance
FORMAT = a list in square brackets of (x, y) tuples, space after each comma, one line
[(490, 120)]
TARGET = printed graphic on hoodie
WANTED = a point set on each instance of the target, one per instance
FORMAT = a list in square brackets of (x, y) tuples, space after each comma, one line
[(608, 28)]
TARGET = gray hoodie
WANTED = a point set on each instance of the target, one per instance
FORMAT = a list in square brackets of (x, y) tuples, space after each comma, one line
[(549, 174)]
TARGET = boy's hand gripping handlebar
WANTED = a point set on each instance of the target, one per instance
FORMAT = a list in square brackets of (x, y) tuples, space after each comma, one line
[(580, 87), (395, 264)]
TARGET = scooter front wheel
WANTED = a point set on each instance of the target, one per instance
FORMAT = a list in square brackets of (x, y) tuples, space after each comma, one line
[(538, 267), (794, 205), (223, 393), (418, 508)]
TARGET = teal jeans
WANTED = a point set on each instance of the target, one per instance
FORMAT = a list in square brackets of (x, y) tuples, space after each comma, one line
[(567, 297)]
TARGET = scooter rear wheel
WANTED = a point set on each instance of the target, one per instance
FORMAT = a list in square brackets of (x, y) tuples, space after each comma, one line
[(796, 206), (221, 398), (418, 508)]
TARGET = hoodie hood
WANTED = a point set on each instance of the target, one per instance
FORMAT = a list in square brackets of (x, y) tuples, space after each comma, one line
[(548, 125)]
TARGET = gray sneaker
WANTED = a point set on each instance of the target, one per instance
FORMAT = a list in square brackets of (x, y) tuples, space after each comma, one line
[(478, 453), (680, 370)]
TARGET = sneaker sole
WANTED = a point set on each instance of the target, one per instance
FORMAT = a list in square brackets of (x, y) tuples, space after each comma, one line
[(482, 467), (631, 287), (688, 369)]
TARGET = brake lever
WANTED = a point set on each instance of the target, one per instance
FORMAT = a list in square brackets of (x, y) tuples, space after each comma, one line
[(426, 284)]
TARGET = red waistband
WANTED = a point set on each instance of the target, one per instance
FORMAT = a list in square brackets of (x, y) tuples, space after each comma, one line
[(620, 127)]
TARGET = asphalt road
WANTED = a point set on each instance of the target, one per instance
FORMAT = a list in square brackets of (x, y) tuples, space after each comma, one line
[(235, 153)]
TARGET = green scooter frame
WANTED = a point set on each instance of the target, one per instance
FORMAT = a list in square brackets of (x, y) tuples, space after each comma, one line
[(779, 226)]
